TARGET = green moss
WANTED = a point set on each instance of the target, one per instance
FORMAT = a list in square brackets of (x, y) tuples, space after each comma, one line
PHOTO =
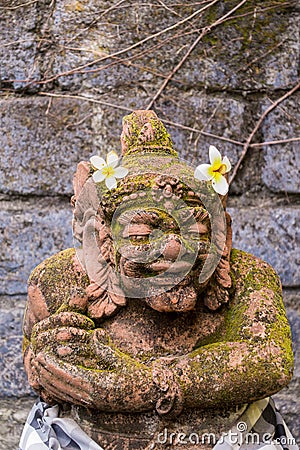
[(252, 26), (252, 275), (57, 279), (161, 138), (25, 344)]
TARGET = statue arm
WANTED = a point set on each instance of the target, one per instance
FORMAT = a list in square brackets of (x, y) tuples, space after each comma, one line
[(65, 358), (252, 357), (46, 309), (122, 386)]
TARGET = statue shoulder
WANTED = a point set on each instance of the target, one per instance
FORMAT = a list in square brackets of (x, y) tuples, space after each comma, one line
[(250, 272), (58, 278), (256, 313)]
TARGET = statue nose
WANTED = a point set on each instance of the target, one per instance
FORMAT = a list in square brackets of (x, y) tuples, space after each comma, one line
[(172, 248)]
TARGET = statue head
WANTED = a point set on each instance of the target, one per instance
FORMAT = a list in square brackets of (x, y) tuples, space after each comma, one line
[(159, 235)]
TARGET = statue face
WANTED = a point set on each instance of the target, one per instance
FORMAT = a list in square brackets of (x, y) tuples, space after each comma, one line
[(166, 250), (151, 237)]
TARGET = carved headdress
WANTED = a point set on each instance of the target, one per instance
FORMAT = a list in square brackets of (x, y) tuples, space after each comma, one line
[(153, 166)]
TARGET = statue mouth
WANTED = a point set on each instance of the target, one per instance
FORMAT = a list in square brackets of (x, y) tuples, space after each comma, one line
[(177, 267), (180, 298), (170, 282)]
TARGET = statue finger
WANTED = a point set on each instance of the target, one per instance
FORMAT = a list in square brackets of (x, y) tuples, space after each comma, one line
[(63, 380), (51, 390), (107, 357), (63, 319), (54, 338)]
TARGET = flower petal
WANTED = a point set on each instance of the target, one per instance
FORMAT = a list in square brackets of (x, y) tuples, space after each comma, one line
[(227, 163), (98, 176), (111, 182), (220, 184), (215, 157), (120, 172), (203, 172), (97, 162), (112, 159)]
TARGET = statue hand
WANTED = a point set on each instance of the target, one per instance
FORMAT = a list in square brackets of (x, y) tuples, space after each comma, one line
[(80, 366), (63, 319), (66, 334), (124, 386), (169, 397)]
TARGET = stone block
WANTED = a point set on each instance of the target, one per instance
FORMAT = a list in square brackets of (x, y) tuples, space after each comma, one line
[(13, 380), (287, 401), (281, 162), (87, 32), (13, 414), (30, 231), (219, 115), (42, 141), (291, 299), (272, 235), (294, 319), (257, 48), (18, 51)]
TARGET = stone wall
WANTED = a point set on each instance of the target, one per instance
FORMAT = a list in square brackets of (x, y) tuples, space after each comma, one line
[(214, 71)]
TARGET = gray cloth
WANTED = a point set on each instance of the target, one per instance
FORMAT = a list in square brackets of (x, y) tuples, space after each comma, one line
[(44, 429), (260, 427)]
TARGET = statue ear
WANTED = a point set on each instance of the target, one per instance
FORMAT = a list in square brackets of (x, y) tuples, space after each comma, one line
[(80, 177), (96, 251), (104, 292), (85, 202), (217, 292)]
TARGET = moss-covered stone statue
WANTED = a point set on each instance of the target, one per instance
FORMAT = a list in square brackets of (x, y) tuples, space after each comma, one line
[(153, 332)]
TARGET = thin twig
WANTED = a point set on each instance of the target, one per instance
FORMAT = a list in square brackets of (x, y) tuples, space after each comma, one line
[(205, 133), (88, 99), (21, 41), (12, 8), (176, 68), (258, 58), (208, 122), (49, 106), (280, 141), (169, 122), (257, 126), (106, 11), (168, 8)]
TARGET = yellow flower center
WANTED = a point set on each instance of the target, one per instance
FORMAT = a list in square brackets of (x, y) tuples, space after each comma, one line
[(217, 169), (108, 171), (222, 169), (216, 165)]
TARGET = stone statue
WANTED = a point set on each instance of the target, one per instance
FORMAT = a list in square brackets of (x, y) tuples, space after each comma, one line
[(154, 332)]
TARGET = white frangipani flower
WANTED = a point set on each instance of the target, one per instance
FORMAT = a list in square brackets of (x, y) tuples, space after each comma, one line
[(108, 170), (215, 171)]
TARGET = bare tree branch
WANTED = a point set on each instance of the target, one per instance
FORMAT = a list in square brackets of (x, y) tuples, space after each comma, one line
[(88, 99), (169, 122), (13, 8), (276, 142), (205, 31), (257, 126)]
